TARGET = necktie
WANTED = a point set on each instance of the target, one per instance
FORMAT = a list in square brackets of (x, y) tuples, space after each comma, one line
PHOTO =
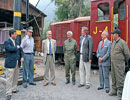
[(50, 47), (102, 43)]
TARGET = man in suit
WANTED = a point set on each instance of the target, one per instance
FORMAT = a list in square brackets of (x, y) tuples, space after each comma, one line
[(12, 63), (103, 55), (49, 48), (86, 49)]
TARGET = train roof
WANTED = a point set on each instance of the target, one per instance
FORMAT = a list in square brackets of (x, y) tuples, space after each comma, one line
[(63, 22), (79, 19)]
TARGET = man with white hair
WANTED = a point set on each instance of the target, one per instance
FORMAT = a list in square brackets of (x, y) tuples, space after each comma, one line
[(49, 48), (70, 51), (103, 55)]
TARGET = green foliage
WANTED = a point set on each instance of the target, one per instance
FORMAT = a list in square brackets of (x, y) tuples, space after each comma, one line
[(68, 9), (46, 28)]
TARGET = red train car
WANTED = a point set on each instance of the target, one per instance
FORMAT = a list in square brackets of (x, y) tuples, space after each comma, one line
[(105, 14)]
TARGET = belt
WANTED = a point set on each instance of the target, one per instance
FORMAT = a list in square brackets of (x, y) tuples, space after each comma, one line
[(50, 54), (28, 53), (81, 53)]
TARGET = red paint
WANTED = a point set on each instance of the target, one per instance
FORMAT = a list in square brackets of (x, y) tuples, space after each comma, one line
[(60, 29)]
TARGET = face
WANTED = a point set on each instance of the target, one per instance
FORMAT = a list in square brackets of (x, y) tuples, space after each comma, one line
[(83, 33), (103, 35), (14, 36), (69, 36), (29, 34), (49, 35), (115, 36)]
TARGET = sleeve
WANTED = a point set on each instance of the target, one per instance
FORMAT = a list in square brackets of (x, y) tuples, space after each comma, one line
[(64, 50), (97, 53), (43, 46), (75, 48), (23, 43), (55, 46), (90, 48), (108, 52), (9, 47), (126, 52)]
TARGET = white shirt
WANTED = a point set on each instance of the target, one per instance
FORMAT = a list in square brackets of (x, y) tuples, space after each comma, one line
[(48, 45), (105, 40), (82, 44), (13, 41)]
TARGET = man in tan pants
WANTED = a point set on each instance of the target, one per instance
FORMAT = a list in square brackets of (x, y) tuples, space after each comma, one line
[(12, 61), (49, 48)]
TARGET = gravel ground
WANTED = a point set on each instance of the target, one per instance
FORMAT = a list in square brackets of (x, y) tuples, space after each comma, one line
[(61, 91)]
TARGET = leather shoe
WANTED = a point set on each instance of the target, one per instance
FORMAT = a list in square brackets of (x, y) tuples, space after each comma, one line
[(80, 85), (45, 84), (119, 98), (100, 88), (32, 83), (8, 97), (25, 86), (113, 93), (107, 91), (73, 83), (87, 86), (53, 83), (16, 91), (67, 82)]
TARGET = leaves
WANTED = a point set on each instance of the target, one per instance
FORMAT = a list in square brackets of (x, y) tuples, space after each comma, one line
[(68, 9)]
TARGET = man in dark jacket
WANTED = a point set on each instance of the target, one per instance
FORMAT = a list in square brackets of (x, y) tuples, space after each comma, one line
[(86, 49), (12, 63)]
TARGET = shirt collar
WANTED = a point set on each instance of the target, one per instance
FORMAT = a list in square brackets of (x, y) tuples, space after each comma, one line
[(118, 39), (105, 40), (12, 39), (48, 39), (28, 37)]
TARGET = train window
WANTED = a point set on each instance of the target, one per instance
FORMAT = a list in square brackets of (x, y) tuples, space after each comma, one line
[(122, 11), (103, 11)]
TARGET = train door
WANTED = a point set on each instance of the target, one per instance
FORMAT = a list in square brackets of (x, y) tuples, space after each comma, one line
[(120, 9)]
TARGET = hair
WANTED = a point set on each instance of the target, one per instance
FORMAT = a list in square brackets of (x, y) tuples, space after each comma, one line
[(11, 32), (106, 33), (48, 32), (85, 30), (70, 32)]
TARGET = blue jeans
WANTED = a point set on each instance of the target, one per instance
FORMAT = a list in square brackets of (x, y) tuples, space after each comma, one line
[(28, 68)]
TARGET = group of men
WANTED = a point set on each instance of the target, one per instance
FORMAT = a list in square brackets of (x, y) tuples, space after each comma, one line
[(15, 54), (109, 54)]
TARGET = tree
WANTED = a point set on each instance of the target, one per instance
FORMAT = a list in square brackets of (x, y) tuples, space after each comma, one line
[(68, 9)]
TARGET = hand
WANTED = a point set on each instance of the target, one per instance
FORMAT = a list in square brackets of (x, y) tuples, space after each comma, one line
[(90, 61), (22, 59), (18, 46), (100, 59)]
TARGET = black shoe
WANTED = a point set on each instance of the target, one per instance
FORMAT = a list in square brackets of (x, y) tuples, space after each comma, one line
[(73, 83), (107, 91), (87, 86), (80, 85), (16, 91), (8, 97), (32, 83), (100, 88), (67, 82), (25, 86)]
